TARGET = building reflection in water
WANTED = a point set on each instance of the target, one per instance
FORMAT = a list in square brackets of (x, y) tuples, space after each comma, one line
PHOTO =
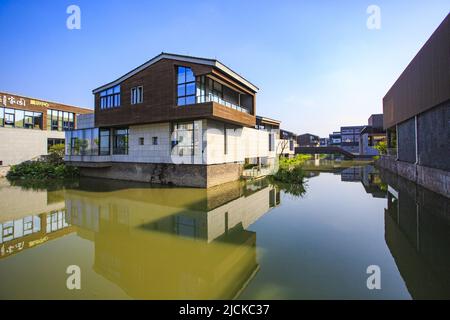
[(417, 232), (22, 223), (158, 243)]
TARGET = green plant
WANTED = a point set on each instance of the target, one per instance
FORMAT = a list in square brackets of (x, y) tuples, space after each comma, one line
[(56, 154), (381, 147), (41, 170)]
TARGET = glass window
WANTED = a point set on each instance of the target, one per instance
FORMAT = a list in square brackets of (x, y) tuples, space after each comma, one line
[(154, 141), (37, 120), (120, 141), (2, 117), (137, 95), (183, 139), (110, 98), (54, 120), (186, 86), (60, 120), (104, 142), (19, 118), (49, 119), (29, 121)]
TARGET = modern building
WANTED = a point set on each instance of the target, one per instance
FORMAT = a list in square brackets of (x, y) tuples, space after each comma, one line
[(335, 139), (308, 140), (287, 144), (371, 135), (323, 142), (175, 119), (350, 138), (29, 126), (417, 116)]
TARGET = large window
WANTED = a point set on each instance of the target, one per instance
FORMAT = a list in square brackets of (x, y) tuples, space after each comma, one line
[(137, 95), (51, 142), (60, 120), (83, 142), (20, 118), (110, 98), (183, 139), (105, 142), (120, 141), (271, 142), (186, 86)]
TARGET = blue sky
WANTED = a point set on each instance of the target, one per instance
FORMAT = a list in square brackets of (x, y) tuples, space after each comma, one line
[(316, 63)]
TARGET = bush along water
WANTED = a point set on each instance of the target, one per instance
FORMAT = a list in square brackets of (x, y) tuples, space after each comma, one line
[(291, 171), (50, 167)]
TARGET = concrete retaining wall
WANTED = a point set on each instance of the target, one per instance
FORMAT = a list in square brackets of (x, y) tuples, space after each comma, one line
[(434, 179), (188, 175)]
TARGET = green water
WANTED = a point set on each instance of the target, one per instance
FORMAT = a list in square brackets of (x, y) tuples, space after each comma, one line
[(244, 241)]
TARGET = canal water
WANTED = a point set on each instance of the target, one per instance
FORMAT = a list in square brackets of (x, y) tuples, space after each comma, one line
[(241, 240)]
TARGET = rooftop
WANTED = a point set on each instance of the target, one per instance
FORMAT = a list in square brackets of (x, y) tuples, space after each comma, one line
[(163, 55)]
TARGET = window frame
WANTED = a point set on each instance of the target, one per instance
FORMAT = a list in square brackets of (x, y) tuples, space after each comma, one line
[(184, 85), (136, 96), (110, 98)]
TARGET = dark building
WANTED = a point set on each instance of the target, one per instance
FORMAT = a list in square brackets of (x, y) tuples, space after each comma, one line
[(376, 121), (335, 139), (417, 115), (308, 140)]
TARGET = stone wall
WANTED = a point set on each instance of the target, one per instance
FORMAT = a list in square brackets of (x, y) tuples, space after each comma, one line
[(433, 129), (188, 175), (433, 179), (406, 140)]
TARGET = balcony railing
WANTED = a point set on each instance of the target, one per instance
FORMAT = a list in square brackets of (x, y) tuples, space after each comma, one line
[(212, 98)]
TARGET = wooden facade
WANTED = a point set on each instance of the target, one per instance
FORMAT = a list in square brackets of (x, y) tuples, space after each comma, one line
[(159, 81), (425, 83), (14, 101)]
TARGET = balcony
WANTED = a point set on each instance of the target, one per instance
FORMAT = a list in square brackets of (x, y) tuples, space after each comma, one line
[(212, 98)]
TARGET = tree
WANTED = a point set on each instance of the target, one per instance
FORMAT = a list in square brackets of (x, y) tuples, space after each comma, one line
[(56, 154), (381, 147)]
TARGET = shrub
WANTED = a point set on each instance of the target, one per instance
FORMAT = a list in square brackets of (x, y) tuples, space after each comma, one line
[(381, 147), (56, 154), (294, 175), (41, 170)]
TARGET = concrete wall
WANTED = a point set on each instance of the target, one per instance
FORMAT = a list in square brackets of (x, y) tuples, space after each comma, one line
[(242, 142), (433, 129), (406, 137), (191, 175), (364, 147), (18, 145), (433, 179)]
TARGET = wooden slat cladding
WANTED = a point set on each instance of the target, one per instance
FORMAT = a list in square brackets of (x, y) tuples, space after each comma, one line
[(425, 83), (38, 105), (159, 104)]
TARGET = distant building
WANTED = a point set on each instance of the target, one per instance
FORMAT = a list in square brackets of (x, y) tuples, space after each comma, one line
[(335, 139), (30, 126), (350, 138), (371, 135), (308, 140), (417, 116), (287, 143), (324, 142)]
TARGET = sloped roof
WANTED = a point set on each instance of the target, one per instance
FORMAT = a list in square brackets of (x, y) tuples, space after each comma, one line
[(205, 61)]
